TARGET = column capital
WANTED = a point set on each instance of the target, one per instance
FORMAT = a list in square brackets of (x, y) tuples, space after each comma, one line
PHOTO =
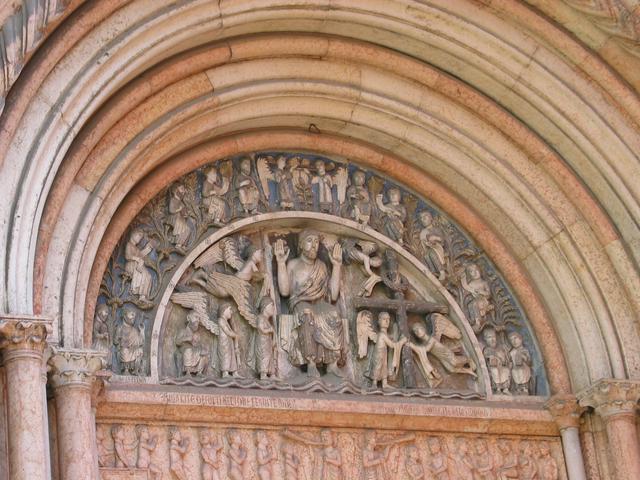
[(23, 333), (611, 397), (70, 367), (565, 410)]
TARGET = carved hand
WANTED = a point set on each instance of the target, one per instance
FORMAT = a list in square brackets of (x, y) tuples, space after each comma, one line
[(336, 254), (281, 251)]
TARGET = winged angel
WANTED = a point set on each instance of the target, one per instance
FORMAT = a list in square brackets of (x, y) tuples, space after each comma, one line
[(281, 181)]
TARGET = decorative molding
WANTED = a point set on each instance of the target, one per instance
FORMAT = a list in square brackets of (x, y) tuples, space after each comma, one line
[(611, 397), (75, 367), (615, 17), (566, 410), (23, 333)]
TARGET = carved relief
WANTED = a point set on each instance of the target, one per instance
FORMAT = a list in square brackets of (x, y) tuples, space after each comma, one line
[(270, 306), (328, 454)]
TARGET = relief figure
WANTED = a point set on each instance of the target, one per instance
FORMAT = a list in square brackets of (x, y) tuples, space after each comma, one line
[(461, 465), (413, 463), (192, 355), (547, 465), (212, 453), (292, 468), (330, 467), (178, 217), (266, 456), (178, 448), (237, 455), (227, 343), (265, 345), (105, 451), (356, 251), (129, 342), (311, 289), (247, 188), (479, 304), (508, 460), (520, 364), (101, 337), (214, 188), (124, 450), (394, 215), (497, 360), (432, 243), (527, 468), (375, 461), (437, 464), (359, 206), (146, 446), (135, 255), (483, 463)]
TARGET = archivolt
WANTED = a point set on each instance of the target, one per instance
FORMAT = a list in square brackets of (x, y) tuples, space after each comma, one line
[(376, 102)]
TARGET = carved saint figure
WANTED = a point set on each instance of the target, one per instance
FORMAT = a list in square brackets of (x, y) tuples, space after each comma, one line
[(214, 188), (146, 446), (413, 463), (432, 242), (509, 460), (461, 463), (135, 255), (129, 342), (394, 215), (310, 288), (101, 337), (520, 364), (359, 199), (105, 451), (247, 188), (497, 360), (324, 184), (483, 463), (237, 455), (227, 343), (212, 453), (178, 217), (379, 369), (547, 465), (479, 305), (178, 448), (193, 354), (265, 339), (438, 464), (266, 456), (124, 450), (284, 182)]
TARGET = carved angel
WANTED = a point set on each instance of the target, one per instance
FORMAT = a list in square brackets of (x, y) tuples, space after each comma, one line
[(378, 370), (362, 252), (323, 183), (278, 178)]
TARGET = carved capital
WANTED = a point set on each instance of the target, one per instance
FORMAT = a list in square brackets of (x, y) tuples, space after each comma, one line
[(612, 397), (23, 334), (75, 367), (566, 410)]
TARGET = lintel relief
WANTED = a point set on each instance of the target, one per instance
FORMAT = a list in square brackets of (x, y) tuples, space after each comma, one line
[(292, 271)]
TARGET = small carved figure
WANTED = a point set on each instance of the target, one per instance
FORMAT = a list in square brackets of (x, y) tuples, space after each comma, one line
[(413, 463), (266, 455), (212, 456), (214, 188), (520, 364), (237, 455), (547, 465), (438, 464), (483, 463), (359, 199), (124, 451), (135, 255), (178, 217), (247, 188), (265, 339), (527, 468), (324, 183), (281, 176), (479, 305), (330, 467), (105, 451), (432, 242), (461, 464), (193, 355), (227, 343), (178, 448), (508, 459), (497, 360), (373, 460), (379, 369), (146, 447), (129, 342), (301, 177), (394, 215), (291, 462), (309, 286), (395, 282), (101, 337), (361, 251)]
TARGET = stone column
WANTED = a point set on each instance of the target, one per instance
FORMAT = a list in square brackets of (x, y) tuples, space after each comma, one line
[(72, 374), (616, 402), (22, 342), (566, 412)]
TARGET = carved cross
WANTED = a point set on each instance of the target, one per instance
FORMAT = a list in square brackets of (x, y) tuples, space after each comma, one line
[(402, 307)]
